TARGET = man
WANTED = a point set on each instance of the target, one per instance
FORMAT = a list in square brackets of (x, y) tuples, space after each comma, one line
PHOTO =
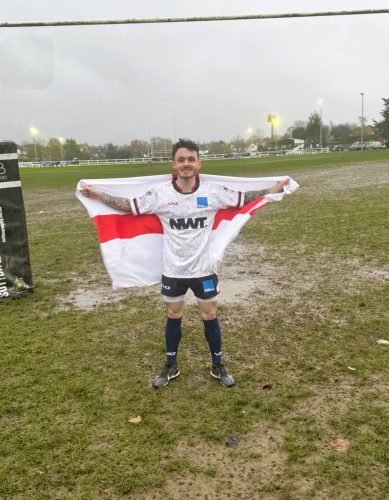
[(186, 209)]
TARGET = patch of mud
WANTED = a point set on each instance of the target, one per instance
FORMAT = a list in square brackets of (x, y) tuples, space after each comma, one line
[(236, 283), (335, 398), (44, 204), (381, 275), (99, 294), (220, 472), (347, 177), (246, 277)]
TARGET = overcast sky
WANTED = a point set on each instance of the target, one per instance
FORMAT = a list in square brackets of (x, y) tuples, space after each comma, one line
[(210, 80)]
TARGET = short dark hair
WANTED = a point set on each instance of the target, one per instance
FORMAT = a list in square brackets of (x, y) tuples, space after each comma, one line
[(185, 143)]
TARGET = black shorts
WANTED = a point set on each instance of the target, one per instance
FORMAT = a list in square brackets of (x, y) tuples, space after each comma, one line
[(203, 288)]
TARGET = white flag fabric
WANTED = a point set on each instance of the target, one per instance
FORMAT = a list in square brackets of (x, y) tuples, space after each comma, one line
[(132, 246)]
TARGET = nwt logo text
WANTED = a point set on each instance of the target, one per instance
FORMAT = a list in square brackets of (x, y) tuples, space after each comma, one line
[(189, 223)]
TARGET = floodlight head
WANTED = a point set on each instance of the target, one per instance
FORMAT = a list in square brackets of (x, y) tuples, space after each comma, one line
[(34, 131)]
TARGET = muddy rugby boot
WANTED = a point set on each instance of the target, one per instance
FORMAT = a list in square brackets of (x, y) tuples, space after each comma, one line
[(220, 372), (168, 372)]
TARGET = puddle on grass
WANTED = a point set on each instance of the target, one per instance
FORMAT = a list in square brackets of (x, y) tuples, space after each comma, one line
[(103, 293), (236, 283), (232, 291)]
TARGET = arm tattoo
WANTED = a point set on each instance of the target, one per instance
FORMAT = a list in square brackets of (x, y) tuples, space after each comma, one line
[(253, 195), (117, 203)]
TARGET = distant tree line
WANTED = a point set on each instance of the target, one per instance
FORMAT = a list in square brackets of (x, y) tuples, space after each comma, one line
[(67, 150), (309, 131)]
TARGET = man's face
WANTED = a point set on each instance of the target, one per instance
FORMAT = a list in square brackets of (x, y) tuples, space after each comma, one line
[(187, 163)]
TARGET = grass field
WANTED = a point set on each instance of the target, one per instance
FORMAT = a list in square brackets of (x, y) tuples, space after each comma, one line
[(73, 377)]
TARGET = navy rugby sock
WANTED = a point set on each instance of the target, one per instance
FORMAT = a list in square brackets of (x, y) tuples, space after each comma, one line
[(213, 335), (172, 337)]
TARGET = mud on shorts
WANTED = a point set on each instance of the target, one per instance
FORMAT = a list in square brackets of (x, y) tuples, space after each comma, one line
[(205, 288)]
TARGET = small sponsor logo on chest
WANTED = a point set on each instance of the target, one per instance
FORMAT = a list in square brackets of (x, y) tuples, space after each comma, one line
[(202, 201)]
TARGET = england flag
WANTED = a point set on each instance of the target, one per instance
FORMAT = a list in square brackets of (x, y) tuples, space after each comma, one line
[(132, 246)]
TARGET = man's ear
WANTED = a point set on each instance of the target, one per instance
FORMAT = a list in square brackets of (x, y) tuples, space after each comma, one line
[(173, 164)]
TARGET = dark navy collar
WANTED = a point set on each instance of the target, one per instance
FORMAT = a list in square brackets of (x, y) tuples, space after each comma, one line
[(179, 190)]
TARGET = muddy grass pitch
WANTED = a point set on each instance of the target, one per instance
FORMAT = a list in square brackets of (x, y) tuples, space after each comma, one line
[(304, 301)]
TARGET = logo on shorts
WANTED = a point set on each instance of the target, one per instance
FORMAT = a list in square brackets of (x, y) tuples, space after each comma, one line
[(202, 201), (166, 286), (208, 286)]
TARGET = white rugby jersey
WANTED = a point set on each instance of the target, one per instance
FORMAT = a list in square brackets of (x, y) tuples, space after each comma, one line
[(187, 221)]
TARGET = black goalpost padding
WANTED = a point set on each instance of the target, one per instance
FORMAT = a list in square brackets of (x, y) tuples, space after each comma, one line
[(15, 269)]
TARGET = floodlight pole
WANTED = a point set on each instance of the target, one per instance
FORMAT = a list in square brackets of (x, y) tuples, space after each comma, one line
[(61, 144), (174, 128), (362, 120), (321, 124), (34, 132), (320, 103)]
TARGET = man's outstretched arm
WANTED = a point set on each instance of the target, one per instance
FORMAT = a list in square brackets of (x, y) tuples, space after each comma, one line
[(253, 195), (115, 202)]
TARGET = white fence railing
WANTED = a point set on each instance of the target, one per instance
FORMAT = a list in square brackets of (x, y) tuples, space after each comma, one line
[(147, 161)]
